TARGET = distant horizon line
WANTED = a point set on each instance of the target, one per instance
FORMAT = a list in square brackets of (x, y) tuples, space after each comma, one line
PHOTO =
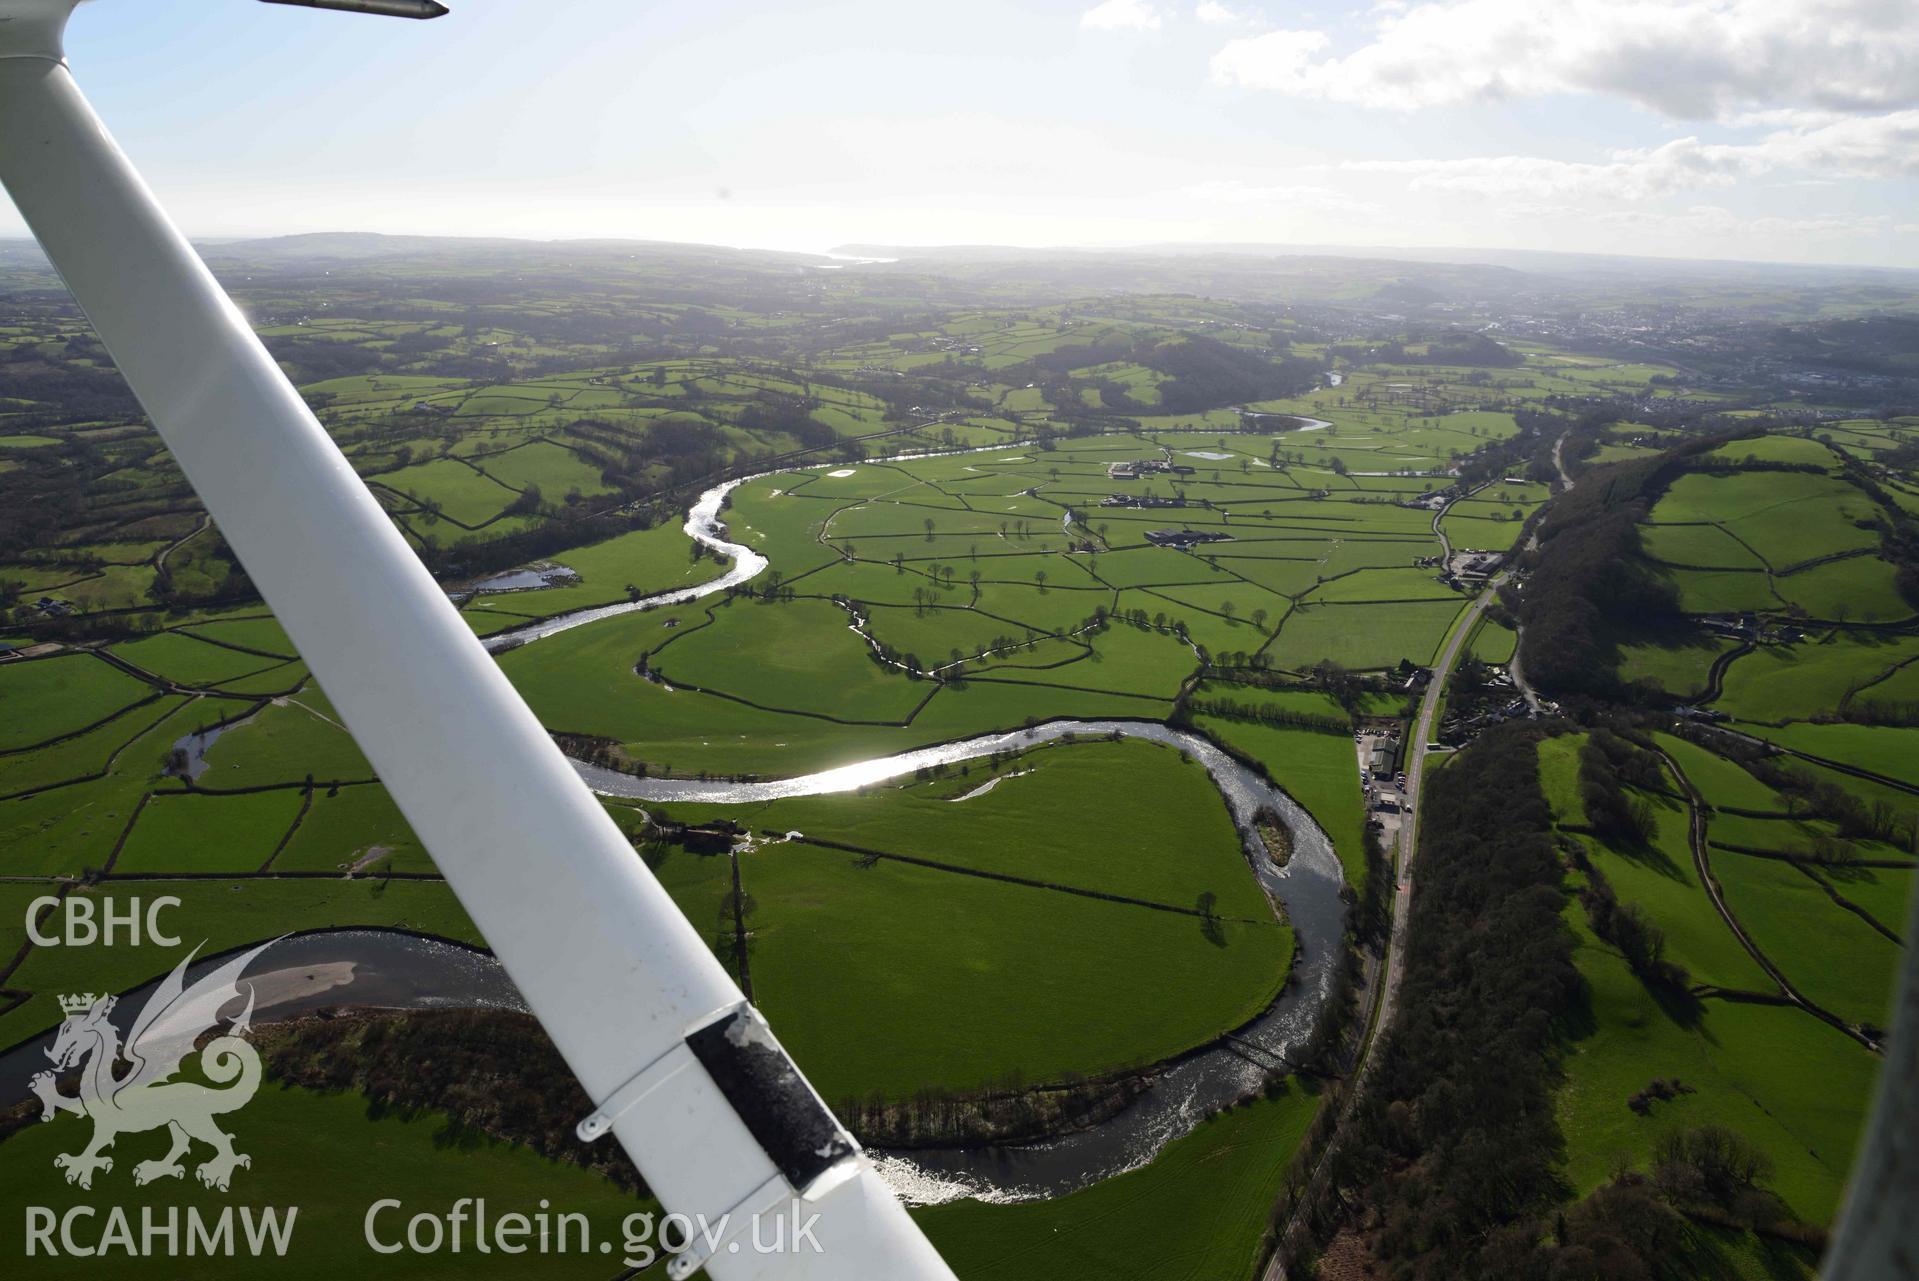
[(1458, 254)]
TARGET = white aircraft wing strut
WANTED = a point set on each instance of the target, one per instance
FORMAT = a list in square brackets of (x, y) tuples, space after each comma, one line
[(682, 1071)]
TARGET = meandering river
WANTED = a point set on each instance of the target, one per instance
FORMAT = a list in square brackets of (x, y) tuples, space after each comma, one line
[(389, 969), (1191, 1087), (703, 527)]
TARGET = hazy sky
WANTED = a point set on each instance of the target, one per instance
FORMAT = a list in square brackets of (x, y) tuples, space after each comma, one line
[(1766, 129)]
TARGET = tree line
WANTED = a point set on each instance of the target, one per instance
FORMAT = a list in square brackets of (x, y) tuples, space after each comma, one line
[(1451, 1166), (1588, 579)]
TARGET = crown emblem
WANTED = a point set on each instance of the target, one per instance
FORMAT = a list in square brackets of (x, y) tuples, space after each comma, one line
[(81, 1003)]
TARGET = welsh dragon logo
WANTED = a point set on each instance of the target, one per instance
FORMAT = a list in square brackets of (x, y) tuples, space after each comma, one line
[(143, 1098)]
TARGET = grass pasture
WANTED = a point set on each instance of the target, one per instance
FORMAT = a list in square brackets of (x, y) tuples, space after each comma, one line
[(188, 833), (1789, 1082), (48, 698), (1024, 979), (1194, 1214), (1780, 683)]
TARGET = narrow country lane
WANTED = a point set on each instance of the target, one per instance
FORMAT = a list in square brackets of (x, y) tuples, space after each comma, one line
[(1395, 967)]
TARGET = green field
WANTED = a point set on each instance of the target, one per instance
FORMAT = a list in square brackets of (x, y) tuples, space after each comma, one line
[(185, 658), (185, 833), (1195, 1213), (1679, 664), (1024, 980), (1741, 538), (1887, 750), (1786, 518), (1021, 973), (1788, 1082), (1129, 818), (353, 826), (457, 489), (53, 697), (1791, 683)]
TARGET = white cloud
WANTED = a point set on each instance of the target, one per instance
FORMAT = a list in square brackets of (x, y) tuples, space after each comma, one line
[(1871, 147), (1282, 60), (1701, 230), (1123, 15), (1690, 59), (1311, 199), (1713, 223), (1627, 175), (1861, 147), (1215, 14), (1782, 118)]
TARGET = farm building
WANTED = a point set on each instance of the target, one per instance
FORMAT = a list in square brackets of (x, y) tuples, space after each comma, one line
[(1143, 467), (1184, 538)]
